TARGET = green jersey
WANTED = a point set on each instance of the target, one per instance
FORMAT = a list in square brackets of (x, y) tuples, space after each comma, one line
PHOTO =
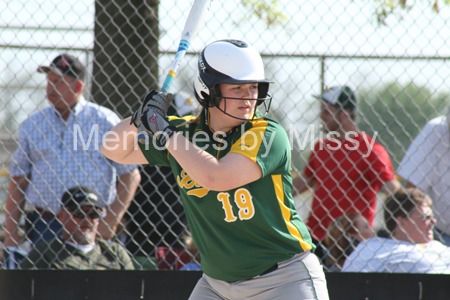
[(60, 255), (243, 232)]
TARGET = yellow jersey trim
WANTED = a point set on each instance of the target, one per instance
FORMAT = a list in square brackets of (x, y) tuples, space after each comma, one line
[(250, 142), (186, 118), (279, 191)]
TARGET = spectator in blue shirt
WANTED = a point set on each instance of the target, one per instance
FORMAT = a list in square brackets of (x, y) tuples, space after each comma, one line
[(59, 148)]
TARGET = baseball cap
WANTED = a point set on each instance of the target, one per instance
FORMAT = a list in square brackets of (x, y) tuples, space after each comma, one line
[(341, 96), (182, 105), (78, 197), (65, 65)]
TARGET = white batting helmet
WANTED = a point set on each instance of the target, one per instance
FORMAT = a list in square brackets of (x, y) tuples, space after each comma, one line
[(230, 62)]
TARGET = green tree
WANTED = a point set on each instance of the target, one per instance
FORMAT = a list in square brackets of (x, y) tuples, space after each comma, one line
[(385, 8), (395, 114), (268, 10)]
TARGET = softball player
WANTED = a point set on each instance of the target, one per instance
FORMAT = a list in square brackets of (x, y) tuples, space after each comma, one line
[(232, 166)]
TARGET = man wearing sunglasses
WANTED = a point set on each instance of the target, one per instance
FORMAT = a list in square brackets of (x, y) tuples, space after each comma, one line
[(78, 247), (411, 247)]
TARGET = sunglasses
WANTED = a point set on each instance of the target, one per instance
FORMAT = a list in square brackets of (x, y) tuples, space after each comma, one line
[(82, 215), (425, 217)]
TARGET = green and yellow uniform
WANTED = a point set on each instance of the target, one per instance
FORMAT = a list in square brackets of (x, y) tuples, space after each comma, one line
[(243, 232)]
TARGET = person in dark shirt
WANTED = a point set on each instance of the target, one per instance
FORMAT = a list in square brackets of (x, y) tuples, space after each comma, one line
[(155, 219)]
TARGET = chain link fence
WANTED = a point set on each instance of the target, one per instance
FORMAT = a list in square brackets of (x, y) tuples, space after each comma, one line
[(397, 64)]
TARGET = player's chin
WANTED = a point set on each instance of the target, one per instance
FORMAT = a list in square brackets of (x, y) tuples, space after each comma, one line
[(239, 117), (245, 117), (246, 113)]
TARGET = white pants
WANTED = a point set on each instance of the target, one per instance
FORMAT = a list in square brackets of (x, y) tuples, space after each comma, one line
[(300, 277)]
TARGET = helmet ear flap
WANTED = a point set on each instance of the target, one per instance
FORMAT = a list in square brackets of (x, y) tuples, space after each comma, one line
[(201, 92), (216, 95), (204, 99), (263, 90)]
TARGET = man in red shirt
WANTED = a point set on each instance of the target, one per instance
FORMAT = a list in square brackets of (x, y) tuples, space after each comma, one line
[(346, 169)]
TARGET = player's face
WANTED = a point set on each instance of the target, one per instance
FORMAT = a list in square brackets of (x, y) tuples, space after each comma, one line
[(239, 100), (419, 225), (61, 91), (330, 116)]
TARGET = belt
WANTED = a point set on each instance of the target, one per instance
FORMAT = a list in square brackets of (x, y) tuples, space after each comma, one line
[(45, 213)]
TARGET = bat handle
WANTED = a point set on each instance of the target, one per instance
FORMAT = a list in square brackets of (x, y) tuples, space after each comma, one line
[(182, 48), (168, 82)]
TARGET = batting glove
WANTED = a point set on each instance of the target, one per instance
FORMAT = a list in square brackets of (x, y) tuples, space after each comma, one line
[(156, 100), (153, 125)]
